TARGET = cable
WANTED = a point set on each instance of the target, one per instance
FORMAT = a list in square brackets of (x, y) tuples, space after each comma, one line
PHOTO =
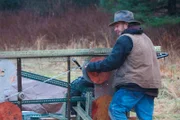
[(43, 82)]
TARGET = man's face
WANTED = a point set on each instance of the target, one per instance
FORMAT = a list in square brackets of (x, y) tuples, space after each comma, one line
[(120, 27)]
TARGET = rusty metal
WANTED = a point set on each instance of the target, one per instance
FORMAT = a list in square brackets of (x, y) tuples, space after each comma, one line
[(57, 53), (69, 88), (19, 81)]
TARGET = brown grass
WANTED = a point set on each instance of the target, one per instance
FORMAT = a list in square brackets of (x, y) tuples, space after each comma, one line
[(28, 30), (168, 37), (89, 28)]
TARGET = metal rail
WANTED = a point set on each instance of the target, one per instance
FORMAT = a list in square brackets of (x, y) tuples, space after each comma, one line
[(54, 53), (61, 53), (57, 53), (41, 78), (19, 78), (47, 54), (55, 100), (69, 87)]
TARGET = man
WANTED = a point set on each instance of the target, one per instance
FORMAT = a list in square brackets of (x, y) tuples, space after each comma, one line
[(137, 75)]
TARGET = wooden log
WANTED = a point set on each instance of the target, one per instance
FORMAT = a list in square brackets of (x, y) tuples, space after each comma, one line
[(10, 111), (100, 108), (98, 78), (103, 93)]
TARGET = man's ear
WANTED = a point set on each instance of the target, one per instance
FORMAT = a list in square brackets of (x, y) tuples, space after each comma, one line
[(126, 25)]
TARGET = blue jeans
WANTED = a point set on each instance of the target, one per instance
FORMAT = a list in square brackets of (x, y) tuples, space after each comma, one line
[(124, 100)]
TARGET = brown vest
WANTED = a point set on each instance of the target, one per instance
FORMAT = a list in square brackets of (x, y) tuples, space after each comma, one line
[(141, 65)]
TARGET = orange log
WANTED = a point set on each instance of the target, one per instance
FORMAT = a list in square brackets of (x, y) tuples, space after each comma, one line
[(9, 111), (100, 108), (98, 78)]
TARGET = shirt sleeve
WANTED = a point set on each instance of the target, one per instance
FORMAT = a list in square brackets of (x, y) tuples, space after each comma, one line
[(115, 59)]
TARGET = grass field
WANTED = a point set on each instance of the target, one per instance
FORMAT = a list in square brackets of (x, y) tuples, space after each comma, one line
[(27, 31)]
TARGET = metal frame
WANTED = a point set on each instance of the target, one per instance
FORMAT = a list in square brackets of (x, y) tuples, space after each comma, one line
[(47, 54), (58, 53)]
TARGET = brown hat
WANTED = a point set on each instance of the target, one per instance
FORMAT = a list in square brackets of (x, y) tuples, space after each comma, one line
[(124, 16)]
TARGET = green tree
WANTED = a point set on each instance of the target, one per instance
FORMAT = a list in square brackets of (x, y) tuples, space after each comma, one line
[(84, 3), (151, 12), (172, 7), (10, 4)]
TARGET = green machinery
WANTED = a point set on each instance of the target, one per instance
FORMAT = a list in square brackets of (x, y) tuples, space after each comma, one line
[(68, 53)]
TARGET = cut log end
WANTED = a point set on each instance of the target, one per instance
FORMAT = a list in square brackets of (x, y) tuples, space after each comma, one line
[(100, 108), (9, 111)]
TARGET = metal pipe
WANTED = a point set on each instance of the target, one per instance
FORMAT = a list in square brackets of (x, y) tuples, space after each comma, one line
[(19, 80), (76, 62), (69, 88), (54, 53)]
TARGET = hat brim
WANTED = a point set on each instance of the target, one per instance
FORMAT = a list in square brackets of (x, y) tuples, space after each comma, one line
[(133, 21)]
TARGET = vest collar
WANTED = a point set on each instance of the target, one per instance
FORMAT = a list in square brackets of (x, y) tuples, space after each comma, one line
[(133, 30)]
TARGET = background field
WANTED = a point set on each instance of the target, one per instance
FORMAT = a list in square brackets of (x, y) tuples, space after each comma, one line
[(88, 28)]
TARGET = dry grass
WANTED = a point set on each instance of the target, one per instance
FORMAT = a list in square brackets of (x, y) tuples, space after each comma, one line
[(167, 105), (89, 29), (23, 30)]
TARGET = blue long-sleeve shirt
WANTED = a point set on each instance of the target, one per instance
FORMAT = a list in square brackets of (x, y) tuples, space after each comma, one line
[(121, 49)]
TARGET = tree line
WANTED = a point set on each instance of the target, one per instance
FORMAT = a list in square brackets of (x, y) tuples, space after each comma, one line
[(111, 5)]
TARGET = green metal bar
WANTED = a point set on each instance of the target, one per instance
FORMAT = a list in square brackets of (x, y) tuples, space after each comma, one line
[(56, 82), (78, 117), (41, 78), (55, 100), (82, 113), (89, 99), (38, 116)]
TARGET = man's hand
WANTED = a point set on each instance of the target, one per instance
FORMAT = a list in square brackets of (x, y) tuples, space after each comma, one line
[(96, 77)]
